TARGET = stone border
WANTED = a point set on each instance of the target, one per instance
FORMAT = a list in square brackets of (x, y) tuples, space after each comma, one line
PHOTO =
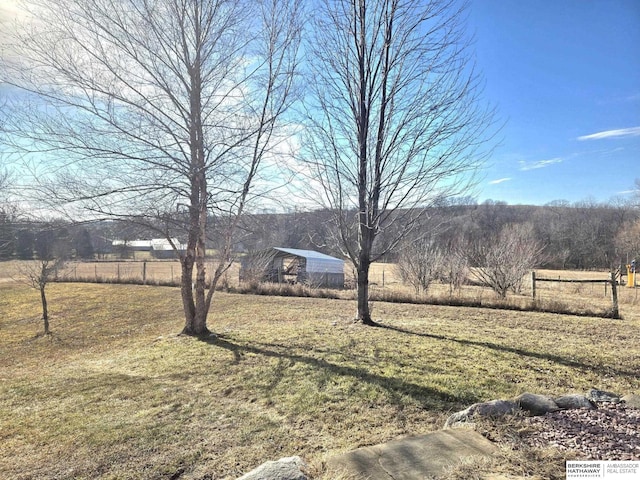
[(532, 404), (292, 468)]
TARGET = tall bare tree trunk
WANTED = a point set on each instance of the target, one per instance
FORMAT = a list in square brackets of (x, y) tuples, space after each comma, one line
[(196, 307)]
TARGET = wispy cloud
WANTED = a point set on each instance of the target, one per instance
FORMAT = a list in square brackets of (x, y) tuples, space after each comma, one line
[(499, 180), (628, 192), (524, 166), (622, 132)]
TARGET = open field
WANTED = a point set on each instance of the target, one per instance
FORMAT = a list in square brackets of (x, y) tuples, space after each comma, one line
[(385, 284), (115, 393)]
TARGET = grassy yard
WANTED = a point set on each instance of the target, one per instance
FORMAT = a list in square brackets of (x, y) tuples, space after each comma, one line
[(114, 393)]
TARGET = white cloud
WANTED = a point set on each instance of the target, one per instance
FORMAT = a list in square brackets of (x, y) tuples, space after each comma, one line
[(623, 132), (499, 180), (524, 166), (628, 192)]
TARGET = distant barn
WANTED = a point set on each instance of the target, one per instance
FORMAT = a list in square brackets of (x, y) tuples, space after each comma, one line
[(291, 265), (162, 248), (159, 248)]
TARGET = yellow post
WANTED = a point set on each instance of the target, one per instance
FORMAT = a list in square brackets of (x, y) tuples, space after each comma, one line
[(631, 277)]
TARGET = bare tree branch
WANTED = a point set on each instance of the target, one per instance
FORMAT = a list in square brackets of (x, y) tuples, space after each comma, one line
[(504, 259)]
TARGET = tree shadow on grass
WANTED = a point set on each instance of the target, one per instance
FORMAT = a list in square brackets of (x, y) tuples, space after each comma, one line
[(430, 398), (601, 370)]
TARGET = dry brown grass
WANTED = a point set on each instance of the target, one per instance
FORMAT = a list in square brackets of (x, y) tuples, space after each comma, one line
[(115, 393), (582, 299)]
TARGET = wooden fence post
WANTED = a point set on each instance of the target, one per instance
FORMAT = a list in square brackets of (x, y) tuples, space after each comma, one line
[(614, 297), (533, 284)]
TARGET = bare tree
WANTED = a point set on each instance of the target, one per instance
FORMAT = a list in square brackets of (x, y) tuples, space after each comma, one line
[(419, 263), (38, 274), (502, 261), (52, 251), (395, 121), (454, 269), (160, 112), (628, 241), (256, 266)]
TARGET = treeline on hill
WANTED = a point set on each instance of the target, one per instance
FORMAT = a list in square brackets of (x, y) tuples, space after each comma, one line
[(584, 235)]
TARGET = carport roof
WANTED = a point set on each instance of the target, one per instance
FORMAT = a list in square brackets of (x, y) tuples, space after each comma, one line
[(310, 254)]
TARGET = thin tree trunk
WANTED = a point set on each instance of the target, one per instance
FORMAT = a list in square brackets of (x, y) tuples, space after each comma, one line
[(45, 310)]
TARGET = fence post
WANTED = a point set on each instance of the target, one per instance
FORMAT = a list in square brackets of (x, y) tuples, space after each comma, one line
[(533, 284), (144, 272), (614, 296)]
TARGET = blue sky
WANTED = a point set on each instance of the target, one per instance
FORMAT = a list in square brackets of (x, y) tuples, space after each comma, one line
[(565, 76)]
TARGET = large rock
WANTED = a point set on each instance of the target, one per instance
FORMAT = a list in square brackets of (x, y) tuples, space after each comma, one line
[(410, 458), (574, 402), (632, 400), (535, 404), (602, 396), (288, 468), (494, 408)]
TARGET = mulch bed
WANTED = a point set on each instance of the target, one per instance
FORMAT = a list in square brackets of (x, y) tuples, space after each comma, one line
[(612, 432)]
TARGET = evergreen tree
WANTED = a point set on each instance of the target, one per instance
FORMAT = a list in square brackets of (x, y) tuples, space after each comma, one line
[(83, 245), (25, 240)]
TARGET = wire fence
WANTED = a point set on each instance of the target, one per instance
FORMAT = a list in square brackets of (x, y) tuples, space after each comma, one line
[(563, 291)]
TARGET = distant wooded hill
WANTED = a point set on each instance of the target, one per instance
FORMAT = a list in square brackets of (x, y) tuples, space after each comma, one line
[(575, 236)]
